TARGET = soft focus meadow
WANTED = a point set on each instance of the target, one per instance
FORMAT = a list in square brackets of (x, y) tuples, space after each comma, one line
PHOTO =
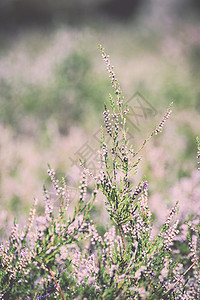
[(53, 87)]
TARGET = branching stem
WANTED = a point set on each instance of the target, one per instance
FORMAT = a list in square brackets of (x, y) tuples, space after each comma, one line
[(170, 290), (57, 284), (121, 233)]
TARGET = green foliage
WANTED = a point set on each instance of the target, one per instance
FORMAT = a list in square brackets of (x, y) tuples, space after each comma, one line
[(73, 81), (62, 254)]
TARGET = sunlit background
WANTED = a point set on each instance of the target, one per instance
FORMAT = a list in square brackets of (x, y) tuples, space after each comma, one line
[(53, 84)]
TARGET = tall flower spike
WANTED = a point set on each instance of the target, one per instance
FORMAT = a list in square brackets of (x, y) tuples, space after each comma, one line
[(114, 80), (171, 215), (198, 151), (164, 119), (83, 186), (107, 122)]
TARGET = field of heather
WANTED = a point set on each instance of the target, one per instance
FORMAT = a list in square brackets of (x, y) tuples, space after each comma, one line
[(53, 86)]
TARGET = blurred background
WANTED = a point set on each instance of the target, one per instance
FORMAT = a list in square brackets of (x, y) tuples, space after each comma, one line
[(53, 84)]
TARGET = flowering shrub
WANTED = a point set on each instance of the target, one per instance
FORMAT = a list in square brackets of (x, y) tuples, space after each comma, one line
[(63, 256)]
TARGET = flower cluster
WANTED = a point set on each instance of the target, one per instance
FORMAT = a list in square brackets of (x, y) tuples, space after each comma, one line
[(111, 122), (139, 189)]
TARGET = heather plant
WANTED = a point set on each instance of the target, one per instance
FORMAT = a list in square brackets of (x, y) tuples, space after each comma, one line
[(62, 255)]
